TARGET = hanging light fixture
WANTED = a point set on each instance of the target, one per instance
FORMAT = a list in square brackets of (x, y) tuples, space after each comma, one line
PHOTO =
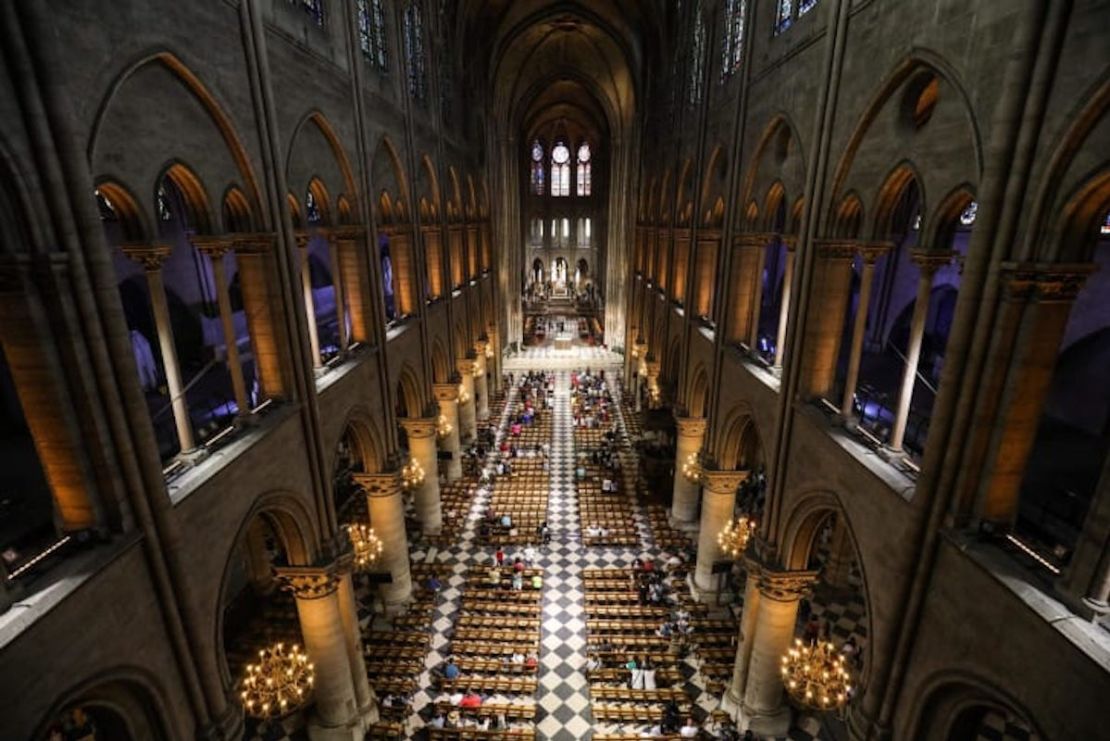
[(443, 427), (366, 544), (733, 538), (816, 676), (412, 475), (691, 468), (278, 684)]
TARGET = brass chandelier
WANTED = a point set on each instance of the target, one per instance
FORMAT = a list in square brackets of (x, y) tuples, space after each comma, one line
[(278, 684), (443, 427), (412, 475), (815, 675), (365, 543), (692, 469), (734, 536)]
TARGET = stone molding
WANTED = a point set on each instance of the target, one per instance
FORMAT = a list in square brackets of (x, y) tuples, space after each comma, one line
[(419, 427), (379, 484), (446, 391), (314, 582), (214, 246), (691, 426), (1044, 282), (723, 482), (150, 256)]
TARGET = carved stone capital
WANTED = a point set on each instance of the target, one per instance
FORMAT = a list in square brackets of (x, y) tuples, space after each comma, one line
[(724, 482), (653, 367), (837, 249), (302, 238), (213, 246), (753, 239), (313, 582), (1045, 282), (466, 366), (691, 426), (150, 256), (789, 241), (870, 252), (419, 427), (254, 244), (930, 261), (379, 484), (446, 391), (785, 586)]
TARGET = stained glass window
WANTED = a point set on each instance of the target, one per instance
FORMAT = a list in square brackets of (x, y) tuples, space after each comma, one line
[(414, 52), (371, 33), (697, 58), (537, 168), (804, 6), (312, 211), (164, 212), (785, 16), (315, 10), (732, 47), (584, 183), (560, 170), (107, 210), (1105, 230)]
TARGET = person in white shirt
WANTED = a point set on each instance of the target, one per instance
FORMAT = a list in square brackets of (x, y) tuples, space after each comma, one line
[(689, 730), (649, 674)]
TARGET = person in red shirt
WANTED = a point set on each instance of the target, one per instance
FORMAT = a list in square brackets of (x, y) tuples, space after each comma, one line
[(500, 556), (471, 700)]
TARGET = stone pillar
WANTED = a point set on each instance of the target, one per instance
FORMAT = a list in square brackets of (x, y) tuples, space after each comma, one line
[(387, 517), (364, 694), (151, 258), (747, 248), (335, 705), (472, 249), (869, 254), (467, 411), (1086, 583), (447, 394), (681, 263), (262, 304), (764, 709), (404, 271), (706, 271), (841, 555), (757, 297), (784, 306), (355, 276), (734, 696), (432, 237), (1049, 292), (691, 435), (929, 262), (421, 433), (215, 248), (481, 383), (832, 285), (309, 303), (653, 368), (37, 374), (717, 504), (340, 293)]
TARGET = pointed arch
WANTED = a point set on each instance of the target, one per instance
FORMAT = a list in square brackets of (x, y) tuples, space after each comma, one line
[(132, 219), (321, 123), (192, 193), (389, 177), (236, 212)]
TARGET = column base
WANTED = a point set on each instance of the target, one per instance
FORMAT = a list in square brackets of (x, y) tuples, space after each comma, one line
[(686, 527), (353, 731), (732, 704), (890, 455), (708, 595), (774, 723)]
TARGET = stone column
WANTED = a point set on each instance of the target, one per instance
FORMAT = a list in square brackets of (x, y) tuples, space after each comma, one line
[(340, 294), (348, 607), (335, 705), (481, 383), (151, 258), (447, 394), (746, 248), (387, 517), (309, 304), (832, 285), (717, 504), (215, 248), (1050, 292), (653, 368), (355, 276), (869, 254), (467, 411), (929, 262), (681, 264), (757, 298), (734, 696), (764, 709), (1086, 583), (784, 306), (421, 433), (705, 271), (691, 435), (262, 306)]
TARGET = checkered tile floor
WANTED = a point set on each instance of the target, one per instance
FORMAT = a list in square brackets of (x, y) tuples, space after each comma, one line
[(563, 696)]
